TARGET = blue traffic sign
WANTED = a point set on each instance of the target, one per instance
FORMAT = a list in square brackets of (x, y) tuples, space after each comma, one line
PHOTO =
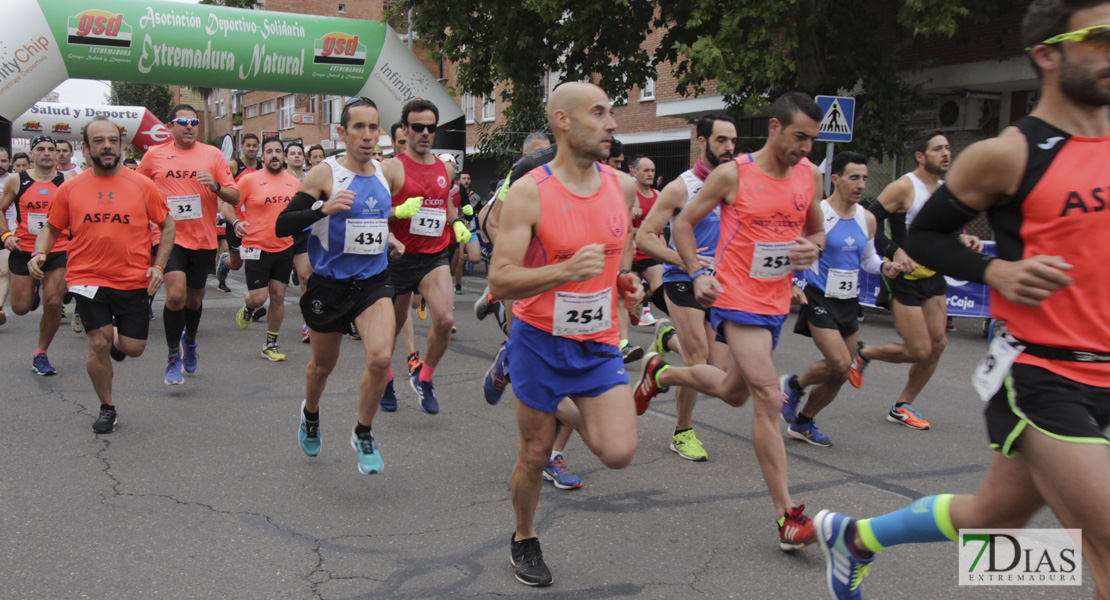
[(839, 113)]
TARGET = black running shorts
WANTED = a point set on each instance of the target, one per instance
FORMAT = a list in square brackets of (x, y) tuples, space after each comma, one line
[(912, 292), (196, 264), (270, 266), (128, 309), (823, 312), (330, 305), (18, 259), (408, 271)]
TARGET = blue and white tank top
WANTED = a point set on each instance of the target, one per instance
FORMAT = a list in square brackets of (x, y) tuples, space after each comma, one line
[(353, 244), (845, 242), (706, 231)]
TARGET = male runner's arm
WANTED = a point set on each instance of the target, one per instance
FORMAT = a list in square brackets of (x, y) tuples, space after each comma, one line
[(157, 271), (45, 240), (894, 199), (631, 202), (11, 186), (227, 211), (871, 261), (811, 243), (220, 181), (508, 280), (298, 214), (649, 237), (394, 173), (987, 173), (720, 187)]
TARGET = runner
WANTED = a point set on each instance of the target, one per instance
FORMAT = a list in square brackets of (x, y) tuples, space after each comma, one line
[(919, 296), (247, 162), (302, 266), (107, 210), (400, 141), (9, 217), (770, 201), (64, 157), (32, 192), (829, 298), (315, 155), (1047, 380), (648, 268), (425, 223), (694, 338), (556, 351), (20, 162), (350, 279), (193, 176), (294, 160), (267, 258), (229, 259)]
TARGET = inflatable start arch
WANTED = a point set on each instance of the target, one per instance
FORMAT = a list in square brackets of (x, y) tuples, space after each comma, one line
[(45, 42)]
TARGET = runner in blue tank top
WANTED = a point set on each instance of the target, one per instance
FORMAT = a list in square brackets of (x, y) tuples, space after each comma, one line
[(346, 202), (829, 296)]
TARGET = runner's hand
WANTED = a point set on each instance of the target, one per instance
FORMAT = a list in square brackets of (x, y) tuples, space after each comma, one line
[(409, 208), (12, 243), (891, 270), (904, 262), (156, 275), (707, 289), (241, 229), (588, 262), (468, 210), (972, 241), (462, 234), (396, 248), (1028, 282), (34, 266), (204, 178), (804, 253), (341, 201), (798, 296)]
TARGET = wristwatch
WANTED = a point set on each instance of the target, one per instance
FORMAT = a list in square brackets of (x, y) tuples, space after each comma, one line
[(218, 187), (318, 209)]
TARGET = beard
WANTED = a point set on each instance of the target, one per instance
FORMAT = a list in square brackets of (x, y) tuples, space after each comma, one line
[(716, 159), (935, 168), (107, 161), (1082, 86)]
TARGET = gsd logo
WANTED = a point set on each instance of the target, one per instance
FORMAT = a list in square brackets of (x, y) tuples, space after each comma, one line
[(61, 127), (338, 48), (32, 126), (99, 28)]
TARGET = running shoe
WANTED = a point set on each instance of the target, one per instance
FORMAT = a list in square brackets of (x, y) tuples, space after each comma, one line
[(454, 330), (354, 333), (151, 310), (809, 434), (646, 318), (64, 313), (458, 290), (369, 459), (189, 356), (272, 353), (40, 365), (907, 415), (259, 314), (497, 376), (632, 353), (415, 363), (485, 304), (309, 435), (388, 402), (688, 446), (241, 318), (75, 322), (3, 317), (951, 325), (221, 273), (795, 530), (859, 363), (36, 300), (634, 316), (664, 330), (790, 398), (107, 420), (844, 572), (304, 333), (559, 474), (651, 365), (427, 394), (296, 279), (173, 370), (422, 312), (527, 560)]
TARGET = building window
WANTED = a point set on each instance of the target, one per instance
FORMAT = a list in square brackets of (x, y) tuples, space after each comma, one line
[(489, 110), (647, 92), (250, 112), (221, 109), (332, 109), (266, 107), (285, 116), (468, 107), (312, 104)]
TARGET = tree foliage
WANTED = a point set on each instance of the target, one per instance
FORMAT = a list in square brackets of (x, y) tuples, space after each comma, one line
[(157, 98), (754, 50)]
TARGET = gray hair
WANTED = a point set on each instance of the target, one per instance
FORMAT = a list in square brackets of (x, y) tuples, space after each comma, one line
[(535, 136)]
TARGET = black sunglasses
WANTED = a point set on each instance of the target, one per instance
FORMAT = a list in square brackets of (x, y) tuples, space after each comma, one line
[(420, 127), (183, 122)]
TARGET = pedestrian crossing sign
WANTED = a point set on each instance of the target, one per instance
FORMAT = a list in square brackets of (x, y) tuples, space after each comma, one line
[(838, 120)]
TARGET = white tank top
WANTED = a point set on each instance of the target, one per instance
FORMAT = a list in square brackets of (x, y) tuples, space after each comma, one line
[(921, 194)]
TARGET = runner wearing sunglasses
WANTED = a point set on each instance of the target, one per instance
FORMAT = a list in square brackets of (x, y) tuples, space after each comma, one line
[(192, 176)]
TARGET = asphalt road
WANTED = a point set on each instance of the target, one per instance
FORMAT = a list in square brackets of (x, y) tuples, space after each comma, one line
[(203, 492)]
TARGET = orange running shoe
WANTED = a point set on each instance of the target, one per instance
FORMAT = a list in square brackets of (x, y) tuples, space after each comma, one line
[(651, 365), (859, 363), (795, 530), (906, 415), (415, 363)]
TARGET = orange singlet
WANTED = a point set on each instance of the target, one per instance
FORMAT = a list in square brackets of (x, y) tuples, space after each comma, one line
[(262, 198), (32, 205), (192, 205), (757, 232), (1061, 209), (585, 310)]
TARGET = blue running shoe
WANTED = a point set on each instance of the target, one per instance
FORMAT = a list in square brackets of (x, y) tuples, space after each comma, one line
[(808, 433), (790, 398), (843, 571), (558, 473), (173, 370), (369, 460), (427, 393), (309, 434), (189, 356), (40, 365), (497, 377), (389, 398)]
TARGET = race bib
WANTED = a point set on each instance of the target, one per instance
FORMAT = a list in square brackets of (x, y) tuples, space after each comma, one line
[(428, 222), (250, 253), (771, 260), (582, 314), (185, 208), (88, 291), (366, 236), (842, 284), (711, 269), (35, 222), (992, 370)]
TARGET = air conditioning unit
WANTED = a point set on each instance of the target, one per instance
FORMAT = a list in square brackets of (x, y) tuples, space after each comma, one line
[(957, 113)]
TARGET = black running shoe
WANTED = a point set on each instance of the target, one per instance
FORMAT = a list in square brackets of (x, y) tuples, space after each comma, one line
[(527, 560), (106, 422)]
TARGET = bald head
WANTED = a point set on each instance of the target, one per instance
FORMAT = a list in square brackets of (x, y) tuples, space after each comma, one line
[(582, 120), (569, 96)]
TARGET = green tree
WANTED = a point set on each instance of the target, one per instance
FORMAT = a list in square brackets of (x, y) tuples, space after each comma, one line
[(754, 49), (157, 98)]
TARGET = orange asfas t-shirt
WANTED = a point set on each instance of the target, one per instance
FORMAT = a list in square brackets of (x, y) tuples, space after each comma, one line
[(192, 205), (262, 198)]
